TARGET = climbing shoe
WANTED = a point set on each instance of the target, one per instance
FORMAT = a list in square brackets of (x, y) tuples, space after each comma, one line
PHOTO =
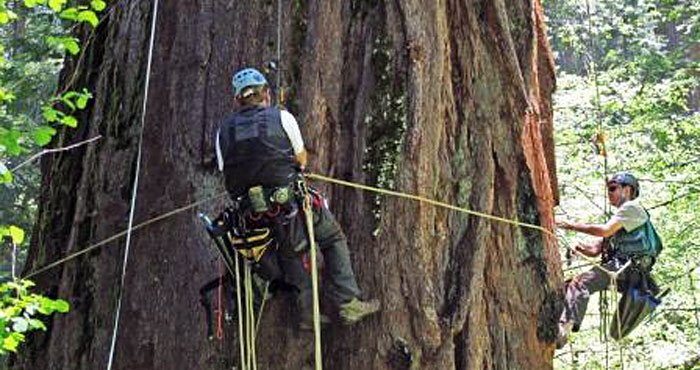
[(308, 324), (355, 310)]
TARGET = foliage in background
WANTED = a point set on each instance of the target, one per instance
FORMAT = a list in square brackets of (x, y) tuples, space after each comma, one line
[(639, 59), (35, 39), (18, 311)]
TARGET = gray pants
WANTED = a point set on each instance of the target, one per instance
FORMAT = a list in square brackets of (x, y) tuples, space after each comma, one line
[(577, 292), (340, 282)]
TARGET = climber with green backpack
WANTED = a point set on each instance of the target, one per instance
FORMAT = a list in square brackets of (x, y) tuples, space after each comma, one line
[(628, 237)]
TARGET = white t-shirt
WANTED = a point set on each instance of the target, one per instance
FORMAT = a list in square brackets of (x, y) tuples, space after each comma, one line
[(631, 215), (290, 126)]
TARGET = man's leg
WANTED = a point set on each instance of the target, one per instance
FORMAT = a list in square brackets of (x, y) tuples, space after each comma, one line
[(298, 277), (577, 293), (333, 244), (339, 274)]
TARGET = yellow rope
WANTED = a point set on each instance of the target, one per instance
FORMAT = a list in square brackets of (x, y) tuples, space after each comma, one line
[(250, 316), (239, 307), (314, 275), (429, 201), (120, 234), (458, 209)]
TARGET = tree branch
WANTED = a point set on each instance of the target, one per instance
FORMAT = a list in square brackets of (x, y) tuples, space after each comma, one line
[(48, 151)]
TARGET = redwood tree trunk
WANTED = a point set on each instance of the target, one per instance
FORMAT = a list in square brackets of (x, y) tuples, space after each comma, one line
[(446, 99)]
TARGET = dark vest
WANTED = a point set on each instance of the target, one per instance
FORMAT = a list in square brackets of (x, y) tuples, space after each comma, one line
[(256, 151)]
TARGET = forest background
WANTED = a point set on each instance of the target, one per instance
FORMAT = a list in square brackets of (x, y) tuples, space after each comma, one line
[(628, 99)]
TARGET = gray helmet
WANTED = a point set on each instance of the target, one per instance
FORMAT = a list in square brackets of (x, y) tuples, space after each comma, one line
[(626, 179)]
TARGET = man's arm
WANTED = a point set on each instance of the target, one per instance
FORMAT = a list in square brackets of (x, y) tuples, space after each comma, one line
[(590, 250), (605, 230), (289, 123)]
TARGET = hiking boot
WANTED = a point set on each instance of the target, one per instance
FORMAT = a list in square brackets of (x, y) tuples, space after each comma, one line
[(564, 331), (308, 325), (355, 310)]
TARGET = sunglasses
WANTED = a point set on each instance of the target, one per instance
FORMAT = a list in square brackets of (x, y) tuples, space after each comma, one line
[(612, 188)]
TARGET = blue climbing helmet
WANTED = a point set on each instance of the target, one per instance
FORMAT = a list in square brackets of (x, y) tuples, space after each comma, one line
[(626, 179), (247, 77)]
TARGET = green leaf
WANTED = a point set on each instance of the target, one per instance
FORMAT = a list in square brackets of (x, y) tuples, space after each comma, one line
[(66, 101), (56, 5), (10, 343), (16, 233), (5, 95), (70, 14), (10, 140), (61, 306), (6, 16), (71, 44), (43, 135), (5, 174), (98, 5), (51, 115), (83, 99), (45, 306), (69, 121), (88, 16), (32, 3), (36, 324)]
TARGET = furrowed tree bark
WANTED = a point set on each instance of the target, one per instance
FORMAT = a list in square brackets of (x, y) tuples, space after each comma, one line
[(449, 100)]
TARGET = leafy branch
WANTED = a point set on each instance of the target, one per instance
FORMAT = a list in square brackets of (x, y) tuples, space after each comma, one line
[(18, 311)]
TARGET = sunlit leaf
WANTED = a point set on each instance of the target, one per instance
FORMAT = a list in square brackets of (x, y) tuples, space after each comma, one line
[(16, 233), (56, 5), (6, 95), (10, 140), (69, 121), (33, 3), (10, 343), (71, 44), (98, 5), (43, 135), (36, 324), (70, 14), (88, 16), (61, 306), (6, 16)]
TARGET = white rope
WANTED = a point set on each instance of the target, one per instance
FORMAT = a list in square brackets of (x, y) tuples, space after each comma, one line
[(135, 187), (279, 48)]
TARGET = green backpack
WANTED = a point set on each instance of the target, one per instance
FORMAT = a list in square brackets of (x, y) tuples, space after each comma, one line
[(644, 241)]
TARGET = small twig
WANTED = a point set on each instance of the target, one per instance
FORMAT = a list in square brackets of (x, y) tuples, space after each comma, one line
[(47, 151), (691, 192)]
